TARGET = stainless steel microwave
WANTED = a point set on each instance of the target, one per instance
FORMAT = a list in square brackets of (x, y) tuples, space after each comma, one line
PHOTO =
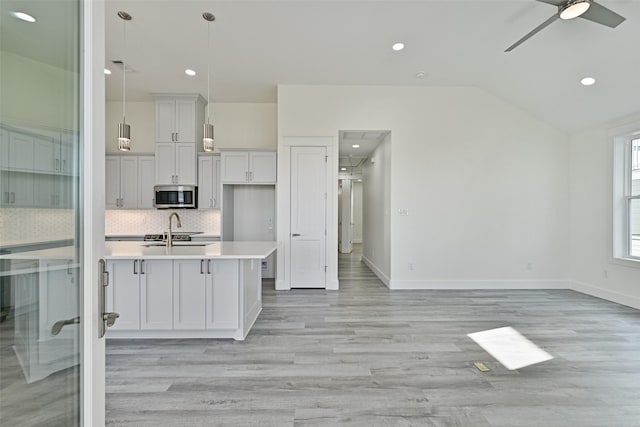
[(175, 196)]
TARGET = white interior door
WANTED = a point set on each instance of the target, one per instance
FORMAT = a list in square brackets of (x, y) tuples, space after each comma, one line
[(345, 217), (308, 217)]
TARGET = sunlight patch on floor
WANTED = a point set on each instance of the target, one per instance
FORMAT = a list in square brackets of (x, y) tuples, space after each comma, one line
[(510, 348)]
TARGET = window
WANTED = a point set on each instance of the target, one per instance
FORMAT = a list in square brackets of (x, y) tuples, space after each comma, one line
[(626, 195), (633, 198)]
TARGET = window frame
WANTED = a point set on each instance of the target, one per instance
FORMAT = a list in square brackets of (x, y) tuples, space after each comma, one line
[(622, 194)]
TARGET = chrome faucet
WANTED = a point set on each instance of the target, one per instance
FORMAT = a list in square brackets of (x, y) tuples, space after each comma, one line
[(169, 236)]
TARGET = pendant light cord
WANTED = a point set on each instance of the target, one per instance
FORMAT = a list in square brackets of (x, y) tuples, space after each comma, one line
[(124, 69), (208, 70)]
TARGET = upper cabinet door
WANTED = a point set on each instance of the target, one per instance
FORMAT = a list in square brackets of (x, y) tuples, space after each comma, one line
[(21, 151), (262, 167), (186, 163), (146, 176), (235, 167), (185, 126), (165, 120), (205, 182), (165, 163), (4, 149), (47, 155), (112, 192), (129, 182)]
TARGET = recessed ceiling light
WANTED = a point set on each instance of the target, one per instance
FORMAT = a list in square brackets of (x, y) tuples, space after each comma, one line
[(588, 81), (355, 146), (24, 16), (189, 72), (397, 46), (107, 71), (343, 169)]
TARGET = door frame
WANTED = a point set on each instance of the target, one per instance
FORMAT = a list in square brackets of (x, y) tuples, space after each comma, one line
[(92, 165), (283, 207)]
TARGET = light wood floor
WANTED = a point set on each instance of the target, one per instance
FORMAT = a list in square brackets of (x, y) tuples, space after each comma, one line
[(369, 356)]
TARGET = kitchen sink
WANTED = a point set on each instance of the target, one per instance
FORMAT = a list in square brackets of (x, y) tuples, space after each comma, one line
[(162, 244)]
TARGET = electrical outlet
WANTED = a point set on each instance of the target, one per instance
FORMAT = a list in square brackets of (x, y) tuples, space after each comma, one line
[(411, 266), (403, 212), (529, 266)]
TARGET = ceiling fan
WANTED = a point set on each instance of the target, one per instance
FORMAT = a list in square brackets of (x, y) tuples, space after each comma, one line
[(570, 9)]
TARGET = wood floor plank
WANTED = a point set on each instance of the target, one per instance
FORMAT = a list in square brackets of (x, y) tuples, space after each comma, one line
[(366, 356)]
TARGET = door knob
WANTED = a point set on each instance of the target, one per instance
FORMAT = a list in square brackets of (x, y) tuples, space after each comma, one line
[(110, 318), (295, 234), (57, 327)]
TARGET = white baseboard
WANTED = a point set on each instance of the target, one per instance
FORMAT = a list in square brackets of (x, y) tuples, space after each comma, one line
[(594, 291), (383, 277), (282, 285), (479, 284)]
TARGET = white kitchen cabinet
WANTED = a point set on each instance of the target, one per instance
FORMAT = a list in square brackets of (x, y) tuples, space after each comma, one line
[(124, 187), (189, 294), (248, 167), (175, 164), (146, 168), (21, 151), (223, 294), (209, 182), (123, 293), (52, 191), (16, 188), (156, 294), (179, 118)]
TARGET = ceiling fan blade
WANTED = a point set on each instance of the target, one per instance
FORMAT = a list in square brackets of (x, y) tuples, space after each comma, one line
[(554, 2), (533, 32), (602, 15)]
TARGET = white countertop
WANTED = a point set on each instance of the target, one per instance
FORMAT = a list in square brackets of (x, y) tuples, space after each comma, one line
[(220, 250)]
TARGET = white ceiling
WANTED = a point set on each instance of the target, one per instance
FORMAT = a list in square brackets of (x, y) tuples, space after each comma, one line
[(353, 158), (258, 44)]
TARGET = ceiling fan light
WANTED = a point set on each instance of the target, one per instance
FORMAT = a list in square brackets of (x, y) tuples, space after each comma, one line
[(574, 9)]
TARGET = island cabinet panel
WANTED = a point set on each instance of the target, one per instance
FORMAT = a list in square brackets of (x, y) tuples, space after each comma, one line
[(223, 294), (123, 293), (189, 292), (156, 294)]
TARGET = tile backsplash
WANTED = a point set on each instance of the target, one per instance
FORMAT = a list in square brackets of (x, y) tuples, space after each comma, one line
[(30, 224), (151, 221)]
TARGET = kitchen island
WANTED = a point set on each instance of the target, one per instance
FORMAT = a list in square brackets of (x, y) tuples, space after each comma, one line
[(189, 290)]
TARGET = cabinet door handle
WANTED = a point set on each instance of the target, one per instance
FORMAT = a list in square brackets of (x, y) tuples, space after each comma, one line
[(208, 266), (201, 266), (246, 176), (57, 166), (251, 176), (142, 267), (64, 165), (135, 266), (13, 197)]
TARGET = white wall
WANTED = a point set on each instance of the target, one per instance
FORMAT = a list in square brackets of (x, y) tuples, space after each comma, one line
[(592, 267), (376, 239), (237, 125), (357, 212), (485, 183)]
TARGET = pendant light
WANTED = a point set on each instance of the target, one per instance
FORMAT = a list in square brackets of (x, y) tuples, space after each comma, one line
[(124, 130), (207, 139)]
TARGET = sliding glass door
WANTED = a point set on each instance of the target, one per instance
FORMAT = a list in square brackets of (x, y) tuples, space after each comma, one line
[(41, 213)]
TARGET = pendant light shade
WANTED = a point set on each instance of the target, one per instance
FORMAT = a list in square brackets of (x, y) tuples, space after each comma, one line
[(207, 138), (124, 137), (124, 130)]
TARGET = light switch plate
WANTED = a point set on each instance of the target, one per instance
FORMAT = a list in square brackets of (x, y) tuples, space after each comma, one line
[(403, 212)]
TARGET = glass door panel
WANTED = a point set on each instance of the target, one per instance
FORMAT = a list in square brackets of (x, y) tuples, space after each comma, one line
[(40, 213)]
